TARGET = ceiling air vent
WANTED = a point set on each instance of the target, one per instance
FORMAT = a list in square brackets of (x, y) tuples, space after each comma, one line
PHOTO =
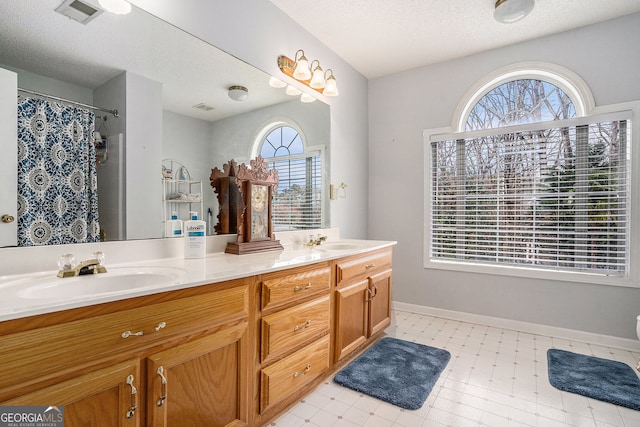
[(202, 106), (81, 11)]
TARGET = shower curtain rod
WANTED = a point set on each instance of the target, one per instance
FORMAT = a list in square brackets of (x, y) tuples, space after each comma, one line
[(106, 110)]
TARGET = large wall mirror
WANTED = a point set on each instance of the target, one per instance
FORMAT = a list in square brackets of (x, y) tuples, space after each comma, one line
[(171, 91)]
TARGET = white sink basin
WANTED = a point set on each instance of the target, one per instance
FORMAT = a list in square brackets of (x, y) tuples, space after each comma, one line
[(117, 279), (340, 246)]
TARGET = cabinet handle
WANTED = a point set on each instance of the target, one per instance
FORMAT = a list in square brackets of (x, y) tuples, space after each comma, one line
[(302, 288), (300, 327), (371, 295), (306, 370), (163, 386), (134, 398), (127, 334), (368, 266), (375, 290)]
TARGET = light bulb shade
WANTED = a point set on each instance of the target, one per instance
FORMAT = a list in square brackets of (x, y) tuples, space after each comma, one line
[(238, 93), (306, 98), (119, 7), (302, 71), (277, 83), (508, 11), (317, 80), (331, 89), (292, 91)]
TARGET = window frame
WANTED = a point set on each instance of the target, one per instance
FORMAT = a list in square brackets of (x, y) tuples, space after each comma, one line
[(632, 109), (308, 151)]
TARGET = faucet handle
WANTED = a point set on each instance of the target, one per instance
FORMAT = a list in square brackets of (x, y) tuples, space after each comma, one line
[(99, 255), (66, 262)]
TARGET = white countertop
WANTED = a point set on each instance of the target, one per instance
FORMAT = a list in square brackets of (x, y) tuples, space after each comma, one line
[(216, 267)]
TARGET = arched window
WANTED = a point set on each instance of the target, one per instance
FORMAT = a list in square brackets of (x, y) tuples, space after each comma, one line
[(298, 200), (531, 181), (518, 102)]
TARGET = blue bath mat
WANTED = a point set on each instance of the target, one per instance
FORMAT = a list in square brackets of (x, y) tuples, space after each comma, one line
[(601, 379), (396, 371)]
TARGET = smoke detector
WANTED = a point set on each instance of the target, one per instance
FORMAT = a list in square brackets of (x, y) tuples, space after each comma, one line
[(82, 11)]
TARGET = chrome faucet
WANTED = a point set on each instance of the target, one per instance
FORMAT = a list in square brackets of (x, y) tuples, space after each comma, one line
[(90, 266), (317, 241)]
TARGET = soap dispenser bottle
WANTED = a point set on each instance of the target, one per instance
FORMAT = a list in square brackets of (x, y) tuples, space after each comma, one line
[(195, 243), (173, 226)]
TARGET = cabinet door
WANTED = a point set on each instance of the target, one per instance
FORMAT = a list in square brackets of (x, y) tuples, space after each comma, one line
[(379, 302), (200, 383), (351, 317), (104, 398)]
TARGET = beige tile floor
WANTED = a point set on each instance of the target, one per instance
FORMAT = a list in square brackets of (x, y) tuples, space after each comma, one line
[(496, 377)]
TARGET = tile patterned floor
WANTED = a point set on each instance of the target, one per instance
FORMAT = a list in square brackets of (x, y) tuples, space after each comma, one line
[(496, 377)]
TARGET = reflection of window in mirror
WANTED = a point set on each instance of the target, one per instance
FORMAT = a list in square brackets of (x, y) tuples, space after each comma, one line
[(298, 200)]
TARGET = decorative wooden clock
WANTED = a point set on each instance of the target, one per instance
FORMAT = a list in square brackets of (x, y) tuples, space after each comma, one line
[(253, 205)]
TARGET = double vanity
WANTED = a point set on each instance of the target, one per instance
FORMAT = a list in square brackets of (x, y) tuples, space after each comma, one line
[(223, 341)]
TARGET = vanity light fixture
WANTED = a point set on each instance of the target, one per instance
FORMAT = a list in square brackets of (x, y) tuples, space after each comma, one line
[(119, 7), (276, 83), (317, 79), (302, 70), (307, 98), (299, 69), (331, 88), (509, 11), (238, 93), (292, 91)]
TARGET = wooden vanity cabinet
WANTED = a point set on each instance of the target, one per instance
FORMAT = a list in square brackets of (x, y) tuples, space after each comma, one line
[(362, 299), (91, 360), (295, 330), (235, 353)]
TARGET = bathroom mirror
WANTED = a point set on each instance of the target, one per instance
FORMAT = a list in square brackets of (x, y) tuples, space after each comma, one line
[(172, 96)]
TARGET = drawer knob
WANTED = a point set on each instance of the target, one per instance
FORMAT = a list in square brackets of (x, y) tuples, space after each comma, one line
[(300, 327), (306, 370), (368, 266), (302, 288), (161, 325)]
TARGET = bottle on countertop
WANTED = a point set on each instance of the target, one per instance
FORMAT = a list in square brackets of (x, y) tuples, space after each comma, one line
[(173, 226), (195, 243)]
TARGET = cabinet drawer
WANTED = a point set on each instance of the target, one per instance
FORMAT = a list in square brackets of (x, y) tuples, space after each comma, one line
[(363, 266), (290, 328), (289, 374), (280, 290), (35, 355)]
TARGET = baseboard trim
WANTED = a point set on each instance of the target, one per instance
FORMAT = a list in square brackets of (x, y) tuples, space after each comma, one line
[(534, 328)]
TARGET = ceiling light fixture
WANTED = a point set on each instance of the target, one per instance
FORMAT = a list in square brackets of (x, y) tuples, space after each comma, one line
[(509, 11), (314, 77), (119, 7), (238, 93)]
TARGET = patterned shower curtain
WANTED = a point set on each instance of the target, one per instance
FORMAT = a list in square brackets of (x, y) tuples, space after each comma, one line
[(57, 180)]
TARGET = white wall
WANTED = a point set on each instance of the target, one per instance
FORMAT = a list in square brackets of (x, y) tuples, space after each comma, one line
[(143, 148), (401, 106), (257, 32)]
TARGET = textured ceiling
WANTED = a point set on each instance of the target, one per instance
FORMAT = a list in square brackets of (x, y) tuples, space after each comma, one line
[(34, 37), (380, 37)]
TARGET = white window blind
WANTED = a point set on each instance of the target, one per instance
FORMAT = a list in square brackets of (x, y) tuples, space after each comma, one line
[(545, 197), (297, 202)]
